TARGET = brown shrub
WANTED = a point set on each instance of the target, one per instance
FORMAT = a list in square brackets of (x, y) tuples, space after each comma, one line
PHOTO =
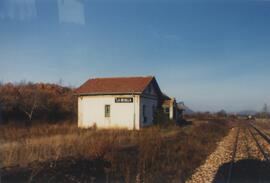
[(39, 101)]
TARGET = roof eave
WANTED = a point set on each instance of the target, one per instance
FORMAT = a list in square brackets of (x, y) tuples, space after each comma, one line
[(108, 93)]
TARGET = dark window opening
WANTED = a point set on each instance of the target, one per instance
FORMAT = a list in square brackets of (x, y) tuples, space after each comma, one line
[(144, 114), (107, 111)]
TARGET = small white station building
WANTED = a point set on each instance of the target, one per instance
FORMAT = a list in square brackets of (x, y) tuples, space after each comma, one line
[(123, 102)]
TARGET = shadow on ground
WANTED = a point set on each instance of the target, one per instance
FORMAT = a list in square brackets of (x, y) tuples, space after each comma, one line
[(62, 171), (184, 122), (245, 171)]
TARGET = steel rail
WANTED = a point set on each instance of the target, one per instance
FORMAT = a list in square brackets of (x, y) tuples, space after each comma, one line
[(259, 145), (233, 156), (265, 137)]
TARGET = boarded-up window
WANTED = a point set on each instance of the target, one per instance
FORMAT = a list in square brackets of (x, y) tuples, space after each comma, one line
[(107, 111), (144, 114)]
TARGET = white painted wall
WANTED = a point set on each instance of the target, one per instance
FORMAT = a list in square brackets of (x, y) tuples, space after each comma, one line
[(171, 111), (91, 110)]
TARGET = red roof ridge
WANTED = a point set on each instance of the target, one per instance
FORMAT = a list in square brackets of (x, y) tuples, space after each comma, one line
[(124, 77), (115, 85)]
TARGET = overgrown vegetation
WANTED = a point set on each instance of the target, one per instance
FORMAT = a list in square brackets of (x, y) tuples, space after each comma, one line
[(162, 120), (59, 153), (16, 132), (39, 102)]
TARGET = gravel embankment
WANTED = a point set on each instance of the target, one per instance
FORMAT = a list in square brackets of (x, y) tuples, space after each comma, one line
[(223, 153)]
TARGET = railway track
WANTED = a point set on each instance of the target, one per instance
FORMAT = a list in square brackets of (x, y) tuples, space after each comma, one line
[(262, 150), (233, 156), (251, 133), (263, 134), (242, 156)]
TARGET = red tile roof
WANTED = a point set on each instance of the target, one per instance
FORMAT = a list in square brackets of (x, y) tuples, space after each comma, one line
[(115, 85)]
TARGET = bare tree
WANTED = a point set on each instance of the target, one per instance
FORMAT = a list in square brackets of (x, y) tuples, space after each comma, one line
[(28, 98), (265, 111), (60, 82), (222, 113)]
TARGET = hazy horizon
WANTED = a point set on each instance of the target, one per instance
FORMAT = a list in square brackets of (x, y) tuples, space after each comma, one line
[(211, 55)]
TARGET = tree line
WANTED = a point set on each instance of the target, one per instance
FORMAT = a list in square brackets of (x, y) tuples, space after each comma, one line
[(36, 102)]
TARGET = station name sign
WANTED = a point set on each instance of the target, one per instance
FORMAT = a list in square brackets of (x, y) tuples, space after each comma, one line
[(123, 100)]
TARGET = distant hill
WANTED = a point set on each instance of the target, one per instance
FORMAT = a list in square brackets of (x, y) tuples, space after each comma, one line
[(187, 110), (247, 112)]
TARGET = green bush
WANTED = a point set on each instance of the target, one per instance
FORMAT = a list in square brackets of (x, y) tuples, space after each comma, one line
[(161, 119)]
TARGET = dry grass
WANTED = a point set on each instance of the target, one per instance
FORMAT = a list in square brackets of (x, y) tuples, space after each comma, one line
[(34, 147), (15, 132), (150, 155), (21, 146)]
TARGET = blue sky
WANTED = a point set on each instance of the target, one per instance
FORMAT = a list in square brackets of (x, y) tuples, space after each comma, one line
[(210, 54)]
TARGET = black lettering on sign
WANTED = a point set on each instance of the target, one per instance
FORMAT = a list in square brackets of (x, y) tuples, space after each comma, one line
[(123, 100)]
